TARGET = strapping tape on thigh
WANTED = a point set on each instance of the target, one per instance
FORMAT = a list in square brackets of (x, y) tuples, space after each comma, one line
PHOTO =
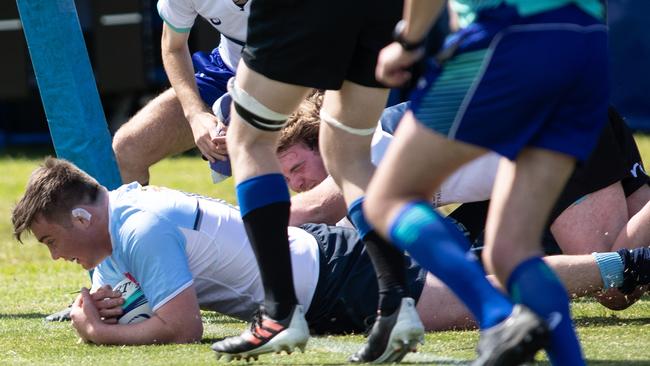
[(325, 117), (254, 112)]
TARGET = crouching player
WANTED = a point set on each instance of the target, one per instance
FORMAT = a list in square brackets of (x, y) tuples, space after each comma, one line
[(189, 252)]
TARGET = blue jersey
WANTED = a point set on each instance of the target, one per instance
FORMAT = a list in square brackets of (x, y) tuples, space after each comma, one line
[(503, 90)]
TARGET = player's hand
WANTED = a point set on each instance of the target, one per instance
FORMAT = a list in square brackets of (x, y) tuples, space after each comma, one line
[(393, 64), (85, 316), (220, 140), (108, 304), (203, 129)]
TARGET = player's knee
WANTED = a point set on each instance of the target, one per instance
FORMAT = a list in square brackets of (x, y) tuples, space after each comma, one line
[(253, 112), (130, 157), (123, 146)]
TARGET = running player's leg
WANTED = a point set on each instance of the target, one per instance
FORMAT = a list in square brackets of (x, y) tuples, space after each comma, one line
[(525, 190), (511, 224), (350, 118), (260, 108), (279, 66), (398, 205), (518, 116)]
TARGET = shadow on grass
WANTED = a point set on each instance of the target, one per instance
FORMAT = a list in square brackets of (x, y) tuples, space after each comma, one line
[(599, 321), (23, 316)]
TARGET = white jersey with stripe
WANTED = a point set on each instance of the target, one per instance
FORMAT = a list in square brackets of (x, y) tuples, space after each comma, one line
[(229, 19), (470, 183), (167, 240)]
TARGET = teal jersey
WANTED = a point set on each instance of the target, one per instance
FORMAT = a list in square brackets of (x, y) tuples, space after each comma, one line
[(531, 7)]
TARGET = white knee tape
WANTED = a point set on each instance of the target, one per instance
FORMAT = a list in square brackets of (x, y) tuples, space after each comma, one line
[(256, 108), (325, 117)]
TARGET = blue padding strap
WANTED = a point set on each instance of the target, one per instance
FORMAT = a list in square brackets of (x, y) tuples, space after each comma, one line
[(355, 212), (67, 86), (261, 191)]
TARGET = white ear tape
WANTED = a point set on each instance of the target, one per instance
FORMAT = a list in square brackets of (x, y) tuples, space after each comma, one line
[(79, 212)]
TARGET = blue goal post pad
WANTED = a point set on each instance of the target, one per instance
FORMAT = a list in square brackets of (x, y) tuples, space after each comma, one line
[(67, 86)]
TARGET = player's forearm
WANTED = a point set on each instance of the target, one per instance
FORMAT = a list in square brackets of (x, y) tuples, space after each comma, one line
[(150, 331), (419, 16), (180, 71), (322, 204)]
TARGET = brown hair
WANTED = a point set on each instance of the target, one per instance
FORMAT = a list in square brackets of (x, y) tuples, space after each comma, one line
[(302, 126), (52, 191)]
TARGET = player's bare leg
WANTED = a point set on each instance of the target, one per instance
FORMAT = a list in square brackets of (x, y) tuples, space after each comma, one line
[(158, 130)]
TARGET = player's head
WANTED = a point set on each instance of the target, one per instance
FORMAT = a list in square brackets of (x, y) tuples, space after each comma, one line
[(300, 159), (58, 209)]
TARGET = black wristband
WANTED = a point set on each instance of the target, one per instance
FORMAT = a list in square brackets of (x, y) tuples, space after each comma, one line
[(406, 45)]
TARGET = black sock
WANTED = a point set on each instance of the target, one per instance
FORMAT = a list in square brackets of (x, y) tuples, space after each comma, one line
[(266, 227), (390, 268)]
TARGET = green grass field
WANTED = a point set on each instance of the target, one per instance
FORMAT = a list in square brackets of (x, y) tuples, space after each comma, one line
[(32, 286)]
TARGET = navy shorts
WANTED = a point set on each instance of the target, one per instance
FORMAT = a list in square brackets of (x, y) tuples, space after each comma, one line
[(319, 44), (346, 297), (211, 75), (517, 81)]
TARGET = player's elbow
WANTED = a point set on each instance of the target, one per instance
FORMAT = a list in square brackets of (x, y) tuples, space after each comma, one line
[(191, 332)]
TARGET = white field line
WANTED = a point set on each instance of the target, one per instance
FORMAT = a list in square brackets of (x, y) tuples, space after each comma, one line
[(333, 345)]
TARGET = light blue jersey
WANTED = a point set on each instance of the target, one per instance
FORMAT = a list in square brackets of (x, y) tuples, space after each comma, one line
[(144, 222), (167, 240)]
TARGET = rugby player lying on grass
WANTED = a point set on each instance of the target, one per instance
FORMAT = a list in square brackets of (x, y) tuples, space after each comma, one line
[(189, 252), (603, 207)]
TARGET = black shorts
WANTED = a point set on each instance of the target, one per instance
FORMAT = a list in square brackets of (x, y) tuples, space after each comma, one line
[(616, 157), (317, 43), (346, 297)]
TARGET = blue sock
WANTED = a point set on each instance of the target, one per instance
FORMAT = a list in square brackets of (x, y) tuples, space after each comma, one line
[(355, 213), (611, 269), (261, 191), (534, 284), (438, 246)]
